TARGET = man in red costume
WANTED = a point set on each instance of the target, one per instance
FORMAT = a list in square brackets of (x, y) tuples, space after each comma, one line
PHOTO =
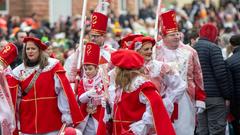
[(183, 59)]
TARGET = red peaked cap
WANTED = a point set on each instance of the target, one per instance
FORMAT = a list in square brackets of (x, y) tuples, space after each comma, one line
[(127, 59), (168, 22), (124, 41), (92, 54), (37, 41), (99, 23), (8, 54), (209, 31), (142, 41)]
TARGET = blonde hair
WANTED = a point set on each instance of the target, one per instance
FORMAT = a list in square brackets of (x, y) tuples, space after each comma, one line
[(42, 59), (124, 77)]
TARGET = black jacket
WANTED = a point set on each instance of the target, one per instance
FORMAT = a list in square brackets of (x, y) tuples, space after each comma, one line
[(217, 82), (234, 67)]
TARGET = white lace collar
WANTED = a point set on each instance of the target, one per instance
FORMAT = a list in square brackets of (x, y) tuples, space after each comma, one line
[(21, 72), (137, 82)]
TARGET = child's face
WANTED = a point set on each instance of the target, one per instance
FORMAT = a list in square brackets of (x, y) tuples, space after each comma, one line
[(90, 71)]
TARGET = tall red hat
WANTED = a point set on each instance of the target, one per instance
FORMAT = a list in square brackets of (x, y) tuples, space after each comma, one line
[(124, 41), (140, 41), (8, 54), (92, 53), (127, 59), (99, 19), (168, 23), (37, 41), (208, 31)]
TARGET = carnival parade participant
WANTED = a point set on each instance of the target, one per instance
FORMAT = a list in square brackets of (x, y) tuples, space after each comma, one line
[(99, 21), (7, 115), (185, 60), (41, 92), (168, 82), (138, 108), (90, 93)]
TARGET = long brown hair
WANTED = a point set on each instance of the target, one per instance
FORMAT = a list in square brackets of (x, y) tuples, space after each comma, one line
[(42, 59), (124, 77)]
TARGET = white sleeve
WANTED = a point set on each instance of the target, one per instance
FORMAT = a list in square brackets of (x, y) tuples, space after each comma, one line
[(176, 87), (63, 104), (71, 66), (142, 126), (84, 98)]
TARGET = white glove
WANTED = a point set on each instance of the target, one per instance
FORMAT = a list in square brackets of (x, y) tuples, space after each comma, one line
[(91, 93), (103, 102), (199, 110), (66, 118)]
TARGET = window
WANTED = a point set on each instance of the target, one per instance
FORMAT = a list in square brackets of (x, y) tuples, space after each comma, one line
[(139, 5), (123, 6), (4, 6)]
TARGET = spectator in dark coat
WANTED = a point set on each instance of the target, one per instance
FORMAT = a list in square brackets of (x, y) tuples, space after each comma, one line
[(233, 63), (216, 82), (20, 35)]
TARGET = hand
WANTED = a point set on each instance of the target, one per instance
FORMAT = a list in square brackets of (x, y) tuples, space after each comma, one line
[(91, 92), (227, 104), (199, 110), (66, 118)]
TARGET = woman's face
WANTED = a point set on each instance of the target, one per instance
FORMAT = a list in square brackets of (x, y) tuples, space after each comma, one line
[(146, 51), (90, 71), (32, 51)]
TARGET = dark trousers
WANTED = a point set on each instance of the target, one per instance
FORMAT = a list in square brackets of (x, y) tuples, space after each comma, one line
[(213, 120)]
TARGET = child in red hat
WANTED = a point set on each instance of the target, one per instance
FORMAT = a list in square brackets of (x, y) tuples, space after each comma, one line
[(137, 108), (90, 92)]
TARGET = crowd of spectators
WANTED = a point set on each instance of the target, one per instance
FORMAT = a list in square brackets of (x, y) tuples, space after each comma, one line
[(63, 35)]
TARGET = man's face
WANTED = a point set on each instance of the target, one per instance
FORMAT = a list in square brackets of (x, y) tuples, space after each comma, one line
[(172, 40), (98, 39), (21, 36)]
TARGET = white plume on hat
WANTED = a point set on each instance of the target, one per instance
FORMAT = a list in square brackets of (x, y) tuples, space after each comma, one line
[(102, 7)]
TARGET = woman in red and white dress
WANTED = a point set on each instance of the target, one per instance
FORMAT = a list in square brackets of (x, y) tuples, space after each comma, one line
[(168, 81), (44, 102)]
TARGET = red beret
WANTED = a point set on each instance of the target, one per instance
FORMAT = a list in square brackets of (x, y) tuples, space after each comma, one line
[(209, 31), (127, 59), (139, 42), (123, 42), (37, 41), (8, 54), (92, 53)]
